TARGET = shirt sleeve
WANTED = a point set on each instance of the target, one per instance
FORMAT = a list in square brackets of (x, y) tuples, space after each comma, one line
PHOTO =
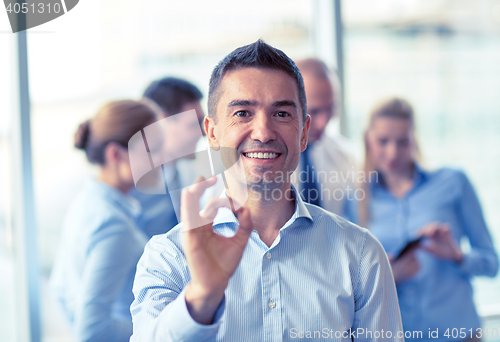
[(159, 311), (377, 316), (111, 260), (482, 258)]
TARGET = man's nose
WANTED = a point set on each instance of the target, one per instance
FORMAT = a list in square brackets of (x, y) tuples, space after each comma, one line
[(263, 128), (392, 150)]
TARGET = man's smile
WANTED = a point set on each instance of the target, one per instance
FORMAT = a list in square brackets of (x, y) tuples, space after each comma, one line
[(261, 155)]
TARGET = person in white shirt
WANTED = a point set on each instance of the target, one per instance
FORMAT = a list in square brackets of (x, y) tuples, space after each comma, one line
[(326, 173)]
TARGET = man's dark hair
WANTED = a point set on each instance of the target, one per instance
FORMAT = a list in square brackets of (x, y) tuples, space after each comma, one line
[(171, 94), (256, 55)]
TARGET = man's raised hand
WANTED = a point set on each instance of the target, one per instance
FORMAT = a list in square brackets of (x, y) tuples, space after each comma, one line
[(211, 258)]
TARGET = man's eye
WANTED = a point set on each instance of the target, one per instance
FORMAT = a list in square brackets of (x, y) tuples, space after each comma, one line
[(403, 143), (241, 114), (282, 114), (382, 141)]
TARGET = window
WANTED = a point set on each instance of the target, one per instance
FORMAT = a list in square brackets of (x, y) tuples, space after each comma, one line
[(8, 293), (443, 57)]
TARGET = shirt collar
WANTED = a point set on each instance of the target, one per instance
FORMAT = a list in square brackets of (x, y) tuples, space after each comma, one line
[(225, 215), (126, 203), (419, 176)]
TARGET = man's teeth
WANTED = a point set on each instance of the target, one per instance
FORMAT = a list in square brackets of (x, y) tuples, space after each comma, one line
[(261, 155)]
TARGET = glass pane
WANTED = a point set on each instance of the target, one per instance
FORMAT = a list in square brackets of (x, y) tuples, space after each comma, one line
[(443, 56), (8, 323)]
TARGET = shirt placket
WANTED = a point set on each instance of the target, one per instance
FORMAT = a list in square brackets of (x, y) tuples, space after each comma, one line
[(271, 297)]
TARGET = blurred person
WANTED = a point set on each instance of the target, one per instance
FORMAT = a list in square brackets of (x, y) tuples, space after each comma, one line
[(277, 268), (173, 96), (101, 243), (404, 201), (326, 171)]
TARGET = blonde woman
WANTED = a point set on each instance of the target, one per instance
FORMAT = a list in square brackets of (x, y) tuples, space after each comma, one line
[(405, 202), (101, 243)]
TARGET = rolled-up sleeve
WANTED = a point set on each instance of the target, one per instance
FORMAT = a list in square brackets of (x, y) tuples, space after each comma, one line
[(482, 258), (377, 316), (159, 311)]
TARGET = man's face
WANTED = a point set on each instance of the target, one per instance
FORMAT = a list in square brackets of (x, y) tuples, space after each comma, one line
[(320, 104), (259, 116)]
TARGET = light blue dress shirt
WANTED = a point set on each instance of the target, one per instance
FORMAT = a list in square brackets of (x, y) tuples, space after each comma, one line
[(94, 270), (322, 278), (439, 296)]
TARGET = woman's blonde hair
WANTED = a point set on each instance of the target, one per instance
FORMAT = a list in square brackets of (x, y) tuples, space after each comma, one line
[(116, 122), (395, 108)]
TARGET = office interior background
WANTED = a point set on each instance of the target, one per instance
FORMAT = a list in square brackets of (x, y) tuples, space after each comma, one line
[(442, 55)]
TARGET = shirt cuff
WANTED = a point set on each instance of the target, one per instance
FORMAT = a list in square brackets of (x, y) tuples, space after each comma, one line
[(468, 264), (182, 327)]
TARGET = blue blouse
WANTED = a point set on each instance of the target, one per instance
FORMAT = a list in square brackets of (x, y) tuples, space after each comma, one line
[(439, 296), (94, 271)]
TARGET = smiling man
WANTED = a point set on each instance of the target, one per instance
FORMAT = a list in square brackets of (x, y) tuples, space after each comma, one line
[(277, 269)]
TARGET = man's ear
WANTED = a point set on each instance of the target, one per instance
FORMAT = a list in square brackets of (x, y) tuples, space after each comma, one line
[(305, 132), (209, 125)]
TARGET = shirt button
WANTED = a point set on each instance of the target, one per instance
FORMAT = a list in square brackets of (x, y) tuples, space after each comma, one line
[(268, 255), (272, 304)]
